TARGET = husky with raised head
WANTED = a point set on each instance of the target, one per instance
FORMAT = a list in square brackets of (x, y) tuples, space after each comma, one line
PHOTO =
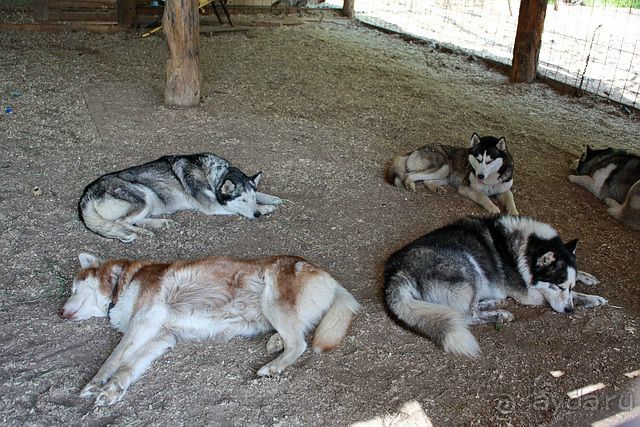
[(157, 305), (612, 175), (457, 276), (118, 205), (483, 170)]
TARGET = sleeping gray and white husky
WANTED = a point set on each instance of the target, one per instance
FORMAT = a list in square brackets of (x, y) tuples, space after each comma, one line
[(482, 170), (118, 205), (612, 175), (457, 275)]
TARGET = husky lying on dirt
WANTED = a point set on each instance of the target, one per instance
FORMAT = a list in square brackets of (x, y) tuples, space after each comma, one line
[(612, 175), (119, 204), (457, 275), (483, 170), (157, 305)]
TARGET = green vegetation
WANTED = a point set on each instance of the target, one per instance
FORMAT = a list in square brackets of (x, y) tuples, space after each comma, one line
[(634, 4)]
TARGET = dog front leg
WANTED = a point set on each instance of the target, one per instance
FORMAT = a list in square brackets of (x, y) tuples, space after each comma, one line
[(507, 201), (267, 199), (480, 198), (588, 301), (129, 372), (584, 180), (142, 329), (586, 278)]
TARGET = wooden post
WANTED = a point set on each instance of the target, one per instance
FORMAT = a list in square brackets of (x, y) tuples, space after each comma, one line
[(126, 13), (182, 29), (348, 8), (526, 48), (42, 10)]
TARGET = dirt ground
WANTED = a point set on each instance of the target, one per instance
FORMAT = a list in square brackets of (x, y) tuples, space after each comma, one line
[(319, 108)]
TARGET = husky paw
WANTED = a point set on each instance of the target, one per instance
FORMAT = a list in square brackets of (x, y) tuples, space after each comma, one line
[(504, 316), (269, 370), (409, 184), (586, 279), (611, 203), (438, 189), (144, 232), (91, 390), (158, 223), (595, 301), (129, 238), (275, 344), (493, 209), (513, 211), (266, 209), (574, 178), (111, 393)]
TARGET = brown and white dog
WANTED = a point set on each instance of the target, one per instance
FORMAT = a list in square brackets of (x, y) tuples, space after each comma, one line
[(156, 305)]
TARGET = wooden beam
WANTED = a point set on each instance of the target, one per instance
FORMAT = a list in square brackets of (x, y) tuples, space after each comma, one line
[(41, 10), (526, 48), (126, 13), (348, 9), (183, 80)]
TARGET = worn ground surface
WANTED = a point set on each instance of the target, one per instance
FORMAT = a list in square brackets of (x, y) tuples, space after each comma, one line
[(319, 108)]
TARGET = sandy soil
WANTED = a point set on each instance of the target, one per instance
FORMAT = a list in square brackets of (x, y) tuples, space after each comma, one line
[(319, 108)]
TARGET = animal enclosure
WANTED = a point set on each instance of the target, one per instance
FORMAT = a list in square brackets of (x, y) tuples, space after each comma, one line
[(593, 46)]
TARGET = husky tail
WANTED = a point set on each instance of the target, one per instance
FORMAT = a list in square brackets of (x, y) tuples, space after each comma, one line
[(333, 326), (629, 212), (396, 171), (441, 323), (98, 224)]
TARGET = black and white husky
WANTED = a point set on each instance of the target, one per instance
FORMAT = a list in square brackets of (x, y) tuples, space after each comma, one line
[(118, 205), (481, 171), (456, 276), (612, 175)]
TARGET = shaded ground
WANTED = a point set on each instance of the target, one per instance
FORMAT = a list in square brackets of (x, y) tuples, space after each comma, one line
[(319, 109)]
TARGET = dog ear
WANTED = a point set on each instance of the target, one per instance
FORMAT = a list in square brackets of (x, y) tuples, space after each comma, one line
[(475, 140), (502, 144), (88, 260), (589, 150), (572, 246), (546, 259), (227, 188), (256, 178)]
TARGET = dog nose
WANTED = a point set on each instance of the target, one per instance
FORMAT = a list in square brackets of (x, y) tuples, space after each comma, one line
[(61, 313), (257, 214), (568, 310), (480, 176)]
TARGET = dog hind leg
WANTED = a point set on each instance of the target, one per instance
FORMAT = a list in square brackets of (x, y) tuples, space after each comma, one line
[(292, 333)]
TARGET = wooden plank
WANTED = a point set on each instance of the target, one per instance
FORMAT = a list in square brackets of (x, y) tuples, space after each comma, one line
[(526, 48), (72, 26), (67, 4), (106, 17)]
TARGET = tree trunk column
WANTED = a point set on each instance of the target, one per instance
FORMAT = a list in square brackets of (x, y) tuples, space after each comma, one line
[(526, 48), (182, 29)]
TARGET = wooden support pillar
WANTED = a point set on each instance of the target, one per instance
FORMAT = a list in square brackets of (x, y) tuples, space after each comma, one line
[(182, 30), (41, 10), (348, 9), (526, 48), (126, 13)]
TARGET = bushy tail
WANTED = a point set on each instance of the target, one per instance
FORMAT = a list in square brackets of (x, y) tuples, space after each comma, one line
[(333, 326), (441, 323), (629, 212), (396, 171), (96, 223)]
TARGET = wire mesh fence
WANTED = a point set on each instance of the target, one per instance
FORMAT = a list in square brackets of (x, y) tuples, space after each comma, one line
[(594, 47)]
